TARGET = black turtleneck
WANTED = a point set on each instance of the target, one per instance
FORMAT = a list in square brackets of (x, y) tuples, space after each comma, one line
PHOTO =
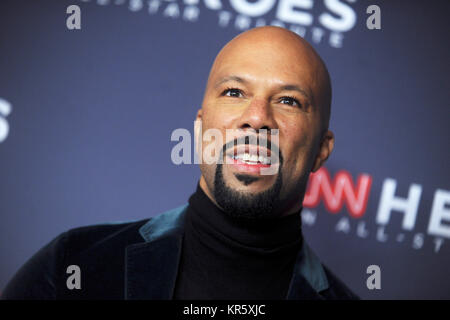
[(230, 258)]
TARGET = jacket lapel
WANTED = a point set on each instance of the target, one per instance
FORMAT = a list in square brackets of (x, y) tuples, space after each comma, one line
[(152, 266), (308, 278)]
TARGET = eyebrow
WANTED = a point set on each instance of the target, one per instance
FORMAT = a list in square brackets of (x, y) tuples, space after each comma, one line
[(229, 78), (293, 87), (286, 87)]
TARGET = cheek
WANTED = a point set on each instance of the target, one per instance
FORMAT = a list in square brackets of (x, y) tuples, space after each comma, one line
[(218, 118), (219, 115), (214, 135), (295, 141), (211, 131)]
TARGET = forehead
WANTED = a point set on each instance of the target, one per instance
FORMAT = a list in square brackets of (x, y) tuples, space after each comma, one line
[(272, 62)]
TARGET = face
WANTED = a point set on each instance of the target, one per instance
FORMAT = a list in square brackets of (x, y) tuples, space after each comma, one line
[(268, 79)]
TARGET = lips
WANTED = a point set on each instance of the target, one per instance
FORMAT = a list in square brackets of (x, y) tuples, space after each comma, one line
[(251, 159), (250, 154)]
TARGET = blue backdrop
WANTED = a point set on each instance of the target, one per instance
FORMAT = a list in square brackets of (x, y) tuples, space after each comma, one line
[(86, 118)]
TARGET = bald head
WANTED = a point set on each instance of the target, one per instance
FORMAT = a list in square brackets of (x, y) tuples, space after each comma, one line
[(275, 43)]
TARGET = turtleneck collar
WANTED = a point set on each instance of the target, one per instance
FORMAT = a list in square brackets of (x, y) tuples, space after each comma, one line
[(224, 257), (260, 236)]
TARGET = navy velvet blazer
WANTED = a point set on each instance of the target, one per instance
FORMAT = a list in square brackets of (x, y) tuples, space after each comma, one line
[(139, 260)]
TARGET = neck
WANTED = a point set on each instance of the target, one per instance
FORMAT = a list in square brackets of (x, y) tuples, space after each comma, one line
[(267, 232)]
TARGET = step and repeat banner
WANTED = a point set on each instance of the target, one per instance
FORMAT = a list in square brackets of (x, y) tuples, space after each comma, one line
[(91, 92)]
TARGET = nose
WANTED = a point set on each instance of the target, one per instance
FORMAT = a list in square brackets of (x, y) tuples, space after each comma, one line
[(257, 115)]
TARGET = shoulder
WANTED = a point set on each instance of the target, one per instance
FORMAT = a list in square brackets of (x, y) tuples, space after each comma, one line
[(89, 246), (337, 289), (80, 239)]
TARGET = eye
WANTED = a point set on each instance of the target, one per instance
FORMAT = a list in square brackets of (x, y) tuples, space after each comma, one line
[(232, 92), (290, 101)]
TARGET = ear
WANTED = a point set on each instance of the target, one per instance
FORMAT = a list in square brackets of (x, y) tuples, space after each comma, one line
[(326, 147), (199, 114), (198, 130)]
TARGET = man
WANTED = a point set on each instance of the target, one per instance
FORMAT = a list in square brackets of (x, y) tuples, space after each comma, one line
[(240, 236)]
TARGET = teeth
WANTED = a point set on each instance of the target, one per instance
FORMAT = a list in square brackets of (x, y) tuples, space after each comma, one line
[(264, 160), (252, 158)]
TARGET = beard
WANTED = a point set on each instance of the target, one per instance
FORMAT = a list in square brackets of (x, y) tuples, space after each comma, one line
[(247, 205)]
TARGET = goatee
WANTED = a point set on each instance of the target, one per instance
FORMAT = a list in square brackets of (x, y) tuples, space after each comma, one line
[(237, 204)]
